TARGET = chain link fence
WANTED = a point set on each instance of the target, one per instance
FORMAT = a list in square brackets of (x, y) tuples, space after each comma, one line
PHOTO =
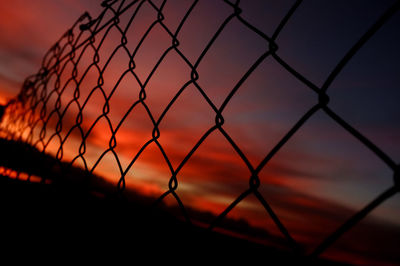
[(34, 117)]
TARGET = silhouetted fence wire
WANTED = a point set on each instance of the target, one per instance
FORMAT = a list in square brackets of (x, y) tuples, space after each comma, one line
[(30, 113)]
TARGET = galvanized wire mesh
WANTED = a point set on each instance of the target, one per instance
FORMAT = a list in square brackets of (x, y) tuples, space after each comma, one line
[(27, 117)]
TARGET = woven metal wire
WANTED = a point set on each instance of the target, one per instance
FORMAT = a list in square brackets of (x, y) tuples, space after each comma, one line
[(27, 117)]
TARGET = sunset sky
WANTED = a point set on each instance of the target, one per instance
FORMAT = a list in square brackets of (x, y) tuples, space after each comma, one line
[(314, 183)]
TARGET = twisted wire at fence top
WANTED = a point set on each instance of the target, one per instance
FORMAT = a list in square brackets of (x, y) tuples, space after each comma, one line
[(23, 115)]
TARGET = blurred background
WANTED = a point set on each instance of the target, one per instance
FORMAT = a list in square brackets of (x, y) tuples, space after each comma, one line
[(321, 177)]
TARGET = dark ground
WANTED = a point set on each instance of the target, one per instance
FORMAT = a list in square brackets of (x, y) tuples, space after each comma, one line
[(66, 220), (71, 222)]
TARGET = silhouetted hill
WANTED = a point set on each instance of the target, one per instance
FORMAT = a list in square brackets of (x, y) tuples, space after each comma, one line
[(68, 216)]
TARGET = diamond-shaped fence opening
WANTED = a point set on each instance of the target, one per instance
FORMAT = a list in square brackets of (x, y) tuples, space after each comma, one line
[(115, 68)]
